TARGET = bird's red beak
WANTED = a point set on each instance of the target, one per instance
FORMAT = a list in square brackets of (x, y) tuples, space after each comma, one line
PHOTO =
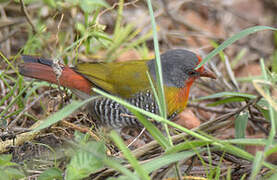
[(204, 72), (207, 73)]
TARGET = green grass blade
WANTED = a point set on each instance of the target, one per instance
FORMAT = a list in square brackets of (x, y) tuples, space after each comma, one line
[(117, 166), (227, 100), (67, 110), (227, 94), (240, 124), (153, 130), (158, 62), (14, 100), (160, 87), (270, 108), (233, 39), (168, 159), (254, 141), (257, 165), (186, 146), (129, 156)]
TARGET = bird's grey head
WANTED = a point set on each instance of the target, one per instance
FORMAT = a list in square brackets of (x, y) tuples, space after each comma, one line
[(177, 66)]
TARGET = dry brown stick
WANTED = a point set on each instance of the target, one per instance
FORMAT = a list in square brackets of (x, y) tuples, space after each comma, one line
[(257, 124), (24, 10)]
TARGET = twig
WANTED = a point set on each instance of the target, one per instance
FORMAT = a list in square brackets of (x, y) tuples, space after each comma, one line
[(258, 124), (80, 128), (24, 10), (141, 132), (59, 26)]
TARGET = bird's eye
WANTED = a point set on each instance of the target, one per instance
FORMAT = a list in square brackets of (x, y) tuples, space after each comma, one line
[(191, 73)]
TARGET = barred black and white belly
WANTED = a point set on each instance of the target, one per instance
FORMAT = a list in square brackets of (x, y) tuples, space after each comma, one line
[(110, 113)]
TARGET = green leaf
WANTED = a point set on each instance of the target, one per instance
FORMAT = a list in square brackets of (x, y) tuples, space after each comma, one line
[(233, 39), (5, 160), (13, 173), (51, 173), (83, 163), (4, 175)]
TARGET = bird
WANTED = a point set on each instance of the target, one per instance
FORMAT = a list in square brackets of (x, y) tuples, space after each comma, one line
[(127, 80)]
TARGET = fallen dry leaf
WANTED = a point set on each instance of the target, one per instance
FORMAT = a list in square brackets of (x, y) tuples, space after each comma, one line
[(187, 119)]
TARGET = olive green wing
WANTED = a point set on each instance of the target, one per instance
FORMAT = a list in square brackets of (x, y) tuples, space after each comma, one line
[(123, 79)]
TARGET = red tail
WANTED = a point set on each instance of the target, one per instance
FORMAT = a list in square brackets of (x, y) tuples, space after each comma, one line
[(40, 68)]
